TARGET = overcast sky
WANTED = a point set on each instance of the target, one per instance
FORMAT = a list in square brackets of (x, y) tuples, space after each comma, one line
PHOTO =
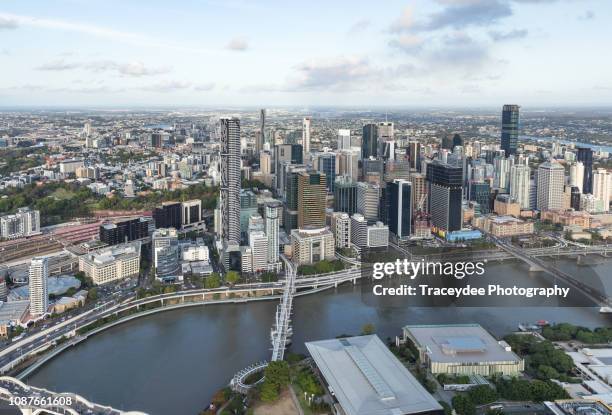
[(266, 53)]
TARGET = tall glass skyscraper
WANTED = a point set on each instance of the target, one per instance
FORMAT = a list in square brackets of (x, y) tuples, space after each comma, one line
[(369, 141), (400, 208), (510, 129), (445, 194), (585, 156)]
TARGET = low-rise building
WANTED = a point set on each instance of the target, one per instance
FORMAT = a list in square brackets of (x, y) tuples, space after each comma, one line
[(505, 205), (111, 264), (567, 217), (503, 226), (11, 314), (462, 349), (312, 245)]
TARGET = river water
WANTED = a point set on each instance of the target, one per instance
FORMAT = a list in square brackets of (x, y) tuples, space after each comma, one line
[(172, 362)]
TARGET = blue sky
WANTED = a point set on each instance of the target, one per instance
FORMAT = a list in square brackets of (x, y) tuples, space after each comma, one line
[(266, 53)]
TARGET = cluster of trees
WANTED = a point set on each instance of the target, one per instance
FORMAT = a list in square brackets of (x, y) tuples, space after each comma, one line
[(276, 378), (208, 195), (308, 383), (268, 277), (566, 331), (17, 159), (542, 359), (321, 267)]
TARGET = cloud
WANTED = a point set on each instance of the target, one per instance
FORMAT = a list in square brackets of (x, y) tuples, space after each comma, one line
[(457, 51), (588, 15), (404, 22), (129, 69), (459, 14), (167, 86), (511, 35), (204, 87), (313, 75), (407, 43), (237, 44), (7, 23), (57, 65), (360, 26)]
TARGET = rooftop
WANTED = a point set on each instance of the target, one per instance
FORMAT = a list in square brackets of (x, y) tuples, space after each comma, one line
[(367, 379)]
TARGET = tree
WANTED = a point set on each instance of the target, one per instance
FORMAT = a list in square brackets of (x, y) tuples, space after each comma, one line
[(277, 372), (269, 391), (92, 294), (232, 277), (482, 394), (464, 405), (368, 329), (212, 281)]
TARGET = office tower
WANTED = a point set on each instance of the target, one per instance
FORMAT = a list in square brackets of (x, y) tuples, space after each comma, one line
[(385, 131), (112, 263), (347, 162), (585, 156), (575, 197), (191, 212), (344, 139), (326, 164), (38, 278), (386, 149), (577, 175), (397, 169), (481, 194), (258, 242), (124, 231), (520, 180), (285, 153), (311, 199), (359, 231), (602, 182), (260, 138), (290, 218), (447, 143), (265, 163), (341, 228), (230, 179), (368, 201), (157, 140), (400, 208), (248, 208), (457, 141), (306, 136), (345, 195), (369, 141), (272, 212), (419, 191), (372, 165), (168, 215), (414, 152), (445, 195), (510, 129), (533, 192), (551, 178), (165, 250)]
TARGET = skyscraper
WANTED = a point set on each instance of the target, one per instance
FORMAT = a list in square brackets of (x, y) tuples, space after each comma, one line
[(260, 138), (272, 212), (169, 215), (520, 181), (445, 194), (400, 208), (165, 249), (344, 139), (414, 152), (230, 179), (577, 175), (369, 141), (326, 164), (39, 294), (368, 201), (510, 129), (602, 184), (345, 195), (551, 178), (311, 199), (480, 193), (385, 131), (585, 156), (306, 136)]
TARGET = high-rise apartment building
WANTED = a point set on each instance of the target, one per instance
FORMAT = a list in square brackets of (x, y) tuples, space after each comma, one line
[(585, 156), (124, 231), (38, 279), (260, 138), (168, 215), (602, 184), (551, 178), (311, 199), (230, 179), (341, 228), (400, 208), (510, 129), (306, 137), (385, 131), (369, 141), (414, 152), (272, 213), (445, 196), (25, 222), (344, 139), (520, 181)]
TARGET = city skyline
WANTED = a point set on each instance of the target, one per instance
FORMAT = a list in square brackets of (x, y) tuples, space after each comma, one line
[(438, 53)]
